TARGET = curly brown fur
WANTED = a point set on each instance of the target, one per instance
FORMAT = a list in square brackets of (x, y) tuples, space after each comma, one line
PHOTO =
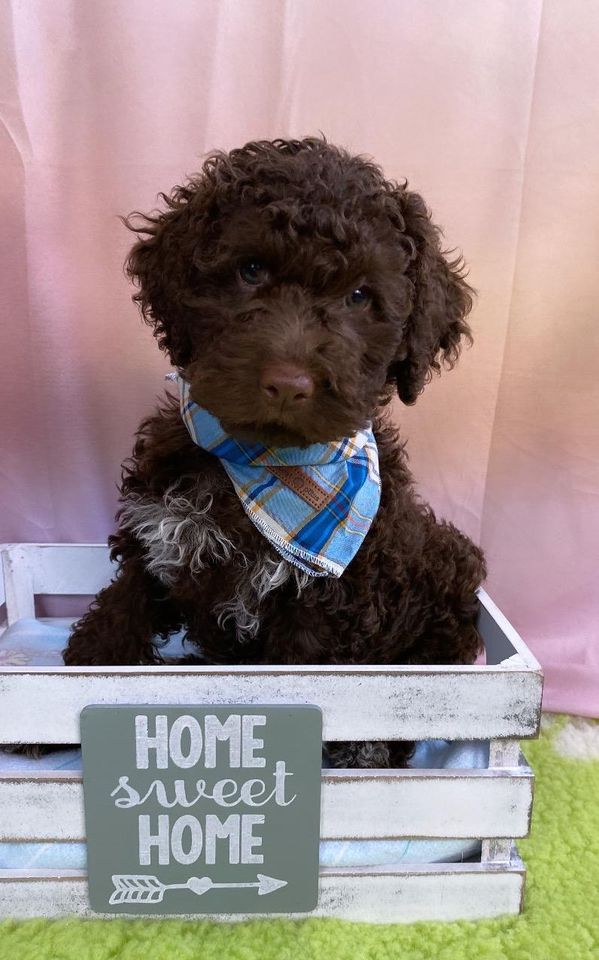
[(311, 224)]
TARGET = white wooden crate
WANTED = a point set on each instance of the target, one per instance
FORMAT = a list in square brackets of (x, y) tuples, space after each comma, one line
[(499, 702)]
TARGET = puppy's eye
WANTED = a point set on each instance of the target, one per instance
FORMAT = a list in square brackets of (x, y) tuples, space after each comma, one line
[(359, 297), (253, 272)]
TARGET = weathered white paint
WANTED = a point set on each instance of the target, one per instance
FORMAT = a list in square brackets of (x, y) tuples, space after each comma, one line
[(361, 804), (426, 803), (495, 850), (42, 704), (504, 754), (52, 568), (33, 807), (370, 894), (18, 584)]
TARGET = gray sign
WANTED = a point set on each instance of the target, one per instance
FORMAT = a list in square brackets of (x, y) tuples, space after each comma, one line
[(202, 809)]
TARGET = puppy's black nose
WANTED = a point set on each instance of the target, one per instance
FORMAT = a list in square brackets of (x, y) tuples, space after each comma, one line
[(284, 382)]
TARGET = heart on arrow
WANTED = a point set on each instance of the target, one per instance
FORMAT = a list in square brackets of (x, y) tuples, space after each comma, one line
[(199, 885)]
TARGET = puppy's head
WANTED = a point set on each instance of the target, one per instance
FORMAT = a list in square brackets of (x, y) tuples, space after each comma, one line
[(292, 285)]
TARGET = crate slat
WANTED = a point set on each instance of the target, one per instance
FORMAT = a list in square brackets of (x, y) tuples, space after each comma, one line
[(368, 894), (424, 803), (42, 705), (356, 804), (62, 568), (18, 585)]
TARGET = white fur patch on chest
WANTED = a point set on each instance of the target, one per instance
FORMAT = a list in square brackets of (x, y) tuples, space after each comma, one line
[(179, 533), (264, 575)]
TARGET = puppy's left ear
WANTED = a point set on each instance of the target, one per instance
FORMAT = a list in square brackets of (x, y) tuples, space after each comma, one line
[(441, 301)]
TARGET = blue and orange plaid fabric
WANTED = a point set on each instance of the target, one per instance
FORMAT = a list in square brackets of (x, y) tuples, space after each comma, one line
[(319, 537)]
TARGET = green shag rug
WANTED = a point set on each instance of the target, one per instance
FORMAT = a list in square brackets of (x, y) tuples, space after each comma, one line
[(560, 920)]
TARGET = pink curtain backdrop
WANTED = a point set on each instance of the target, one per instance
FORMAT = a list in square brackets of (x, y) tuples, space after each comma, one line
[(490, 109)]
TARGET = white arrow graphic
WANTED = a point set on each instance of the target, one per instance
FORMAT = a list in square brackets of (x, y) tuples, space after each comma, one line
[(139, 888)]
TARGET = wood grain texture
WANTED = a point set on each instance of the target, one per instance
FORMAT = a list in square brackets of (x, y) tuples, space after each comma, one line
[(59, 568), (42, 705), (355, 804), (370, 894)]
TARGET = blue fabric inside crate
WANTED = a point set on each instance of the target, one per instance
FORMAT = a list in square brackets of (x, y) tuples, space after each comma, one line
[(39, 643)]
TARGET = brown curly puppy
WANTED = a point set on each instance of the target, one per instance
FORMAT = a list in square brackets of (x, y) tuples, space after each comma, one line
[(293, 287)]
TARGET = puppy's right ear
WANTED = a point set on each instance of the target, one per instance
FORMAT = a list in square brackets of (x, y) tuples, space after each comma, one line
[(163, 264)]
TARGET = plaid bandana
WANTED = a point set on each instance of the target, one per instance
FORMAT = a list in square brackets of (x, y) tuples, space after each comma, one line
[(313, 504)]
